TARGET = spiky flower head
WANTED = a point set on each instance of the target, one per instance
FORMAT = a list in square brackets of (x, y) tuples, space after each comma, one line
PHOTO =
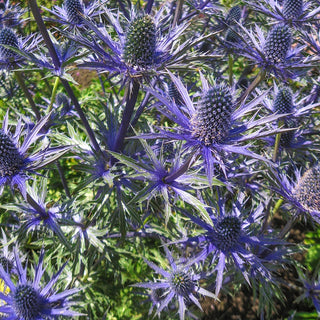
[(307, 190), (11, 160), (227, 232), (212, 119), (140, 43), (283, 102), (74, 11), (292, 8), (26, 302), (175, 94), (286, 138), (234, 15), (232, 36), (277, 44), (182, 283), (6, 263), (8, 37)]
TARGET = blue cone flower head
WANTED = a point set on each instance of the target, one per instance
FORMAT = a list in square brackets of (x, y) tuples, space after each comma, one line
[(140, 43), (179, 283), (9, 38), (307, 189), (15, 161), (29, 300), (234, 15), (278, 43), (212, 119), (292, 8), (74, 9), (283, 102)]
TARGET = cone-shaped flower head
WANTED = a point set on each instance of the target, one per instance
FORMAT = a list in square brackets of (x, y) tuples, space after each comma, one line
[(283, 102), (62, 100), (7, 37), (74, 10), (227, 233), (6, 263), (234, 15), (27, 302), (140, 43), (277, 44), (287, 137), (11, 160), (174, 94), (182, 283), (213, 117), (232, 36), (307, 190), (292, 8)]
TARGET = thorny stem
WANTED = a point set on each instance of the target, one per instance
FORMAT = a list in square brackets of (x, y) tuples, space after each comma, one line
[(287, 227), (63, 179), (177, 14), (131, 99), (54, 93), (27, 94)]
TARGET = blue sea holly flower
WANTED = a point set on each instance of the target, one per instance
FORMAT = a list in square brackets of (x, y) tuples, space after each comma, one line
[(73, 12), (296, 13), (15, 162), (211, 127), (142, 46), (10, 14), (231, 238), (29, 300), (273, 53), (303, 192), (179, 283)]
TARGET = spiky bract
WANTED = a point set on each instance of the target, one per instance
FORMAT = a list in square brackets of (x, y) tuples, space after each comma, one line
[(277, 44), (9, 38), (11, 160), (292, 8), (140, 43), (74, 11), (307, 190), (212, 120)]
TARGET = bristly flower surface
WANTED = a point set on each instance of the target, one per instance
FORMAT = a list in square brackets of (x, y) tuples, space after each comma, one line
[(15, 161), (28, 300), (179, 283), (212, 127)]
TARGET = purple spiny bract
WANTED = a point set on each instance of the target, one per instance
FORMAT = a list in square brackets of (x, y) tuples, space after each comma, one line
[(292, 8), (11, 160), (7, 37), (277, 44), (213, 116), (74, 11), (140, 44), (307, 190)]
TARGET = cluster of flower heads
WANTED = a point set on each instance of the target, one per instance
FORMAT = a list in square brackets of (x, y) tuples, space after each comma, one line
[(191, 159)]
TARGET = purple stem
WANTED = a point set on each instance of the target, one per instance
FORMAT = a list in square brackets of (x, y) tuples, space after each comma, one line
[(123, 9), (37, 16), (132, 95)]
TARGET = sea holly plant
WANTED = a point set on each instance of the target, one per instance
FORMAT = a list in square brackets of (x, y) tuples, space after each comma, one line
[(138, 128)]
